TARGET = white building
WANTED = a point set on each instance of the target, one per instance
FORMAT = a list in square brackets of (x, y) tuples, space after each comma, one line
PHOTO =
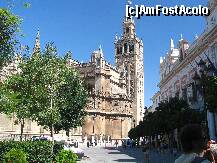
[(179, 66)]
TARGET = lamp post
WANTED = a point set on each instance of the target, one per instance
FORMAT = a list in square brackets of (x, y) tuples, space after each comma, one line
[(206, 71)]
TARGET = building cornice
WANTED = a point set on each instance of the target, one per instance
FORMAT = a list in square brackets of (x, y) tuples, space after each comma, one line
[(116, 114), (194, 50)]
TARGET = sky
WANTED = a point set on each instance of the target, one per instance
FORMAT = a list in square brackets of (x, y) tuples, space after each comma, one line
[(81, 26)]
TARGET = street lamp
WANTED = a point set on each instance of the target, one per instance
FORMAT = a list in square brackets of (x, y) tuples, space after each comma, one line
[(205, 72)]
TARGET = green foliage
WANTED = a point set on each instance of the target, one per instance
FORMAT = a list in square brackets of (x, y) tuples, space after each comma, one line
[(54, 90), (36, 151), (15, 156), (58, 146), (66, 156), (47, 90), (134, 133), (211, 93), (14, 99), (168, 116), (8, 28)]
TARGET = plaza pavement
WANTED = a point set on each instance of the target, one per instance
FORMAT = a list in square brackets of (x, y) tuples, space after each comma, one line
[(129, 155)]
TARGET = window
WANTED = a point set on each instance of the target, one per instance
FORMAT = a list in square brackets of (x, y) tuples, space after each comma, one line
[(131, 48), (118, 50), (125, 48), (127, 30), (177, 94), (214, 53), (97, 62), (184, 94)]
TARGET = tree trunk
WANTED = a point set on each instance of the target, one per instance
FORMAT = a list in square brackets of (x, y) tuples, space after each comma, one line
[(52, 136), (21, 129), (67, 133)]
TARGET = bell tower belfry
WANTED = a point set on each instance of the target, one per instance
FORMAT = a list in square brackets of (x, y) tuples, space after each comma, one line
[(129, 62)]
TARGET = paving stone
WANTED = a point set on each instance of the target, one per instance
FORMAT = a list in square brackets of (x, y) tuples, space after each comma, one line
[(130, 155)]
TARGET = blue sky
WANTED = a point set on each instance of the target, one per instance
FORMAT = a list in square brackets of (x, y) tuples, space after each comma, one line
[(81, 26)]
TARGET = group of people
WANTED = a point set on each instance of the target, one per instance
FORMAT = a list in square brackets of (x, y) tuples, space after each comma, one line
[(89, 143), (195, 147)]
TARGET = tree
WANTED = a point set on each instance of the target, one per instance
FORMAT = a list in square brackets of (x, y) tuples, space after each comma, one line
[(9, 24), (211, 93), (46, 90), (168, 116), (56, 93), (15, 99)]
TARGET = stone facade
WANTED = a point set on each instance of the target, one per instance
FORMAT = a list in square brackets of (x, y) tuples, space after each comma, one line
[(116, 102), (179, 66), (116, 93)]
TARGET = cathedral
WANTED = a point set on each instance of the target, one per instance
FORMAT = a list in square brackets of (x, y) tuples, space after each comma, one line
[(116, 101), (116, 93)]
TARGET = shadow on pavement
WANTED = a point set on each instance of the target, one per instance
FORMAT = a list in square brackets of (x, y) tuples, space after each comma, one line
[(126, 160), (116, 153), (138, 156), (132, 152)]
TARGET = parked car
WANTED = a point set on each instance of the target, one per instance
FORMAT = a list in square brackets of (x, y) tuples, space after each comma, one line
[(34, 138)]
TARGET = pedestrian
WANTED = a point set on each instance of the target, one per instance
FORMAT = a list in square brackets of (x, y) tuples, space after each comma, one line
[(88, 144), (158, 146), (116, 144), (146, 153), (193, 145), (175, 151), (161, 147)]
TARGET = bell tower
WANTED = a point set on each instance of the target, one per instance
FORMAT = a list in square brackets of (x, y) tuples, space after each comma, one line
[(37, 46), (129, 62)]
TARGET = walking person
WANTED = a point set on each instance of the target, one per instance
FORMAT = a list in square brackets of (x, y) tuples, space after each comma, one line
[(116, 144), (193, 145), (146, 151)]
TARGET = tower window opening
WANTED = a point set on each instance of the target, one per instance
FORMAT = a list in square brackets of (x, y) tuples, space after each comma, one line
[(118, 50), (127, 30), (97, 62), (125, 48), (131, 48)]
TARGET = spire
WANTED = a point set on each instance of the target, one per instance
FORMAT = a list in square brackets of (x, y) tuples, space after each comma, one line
[(171, 44), (128, 24), (181, 37), (126, 19), (161, 60), (141, 42), (37, 46), (116, 37), (100, 48)]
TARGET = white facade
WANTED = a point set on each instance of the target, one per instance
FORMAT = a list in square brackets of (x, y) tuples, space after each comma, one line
[(178, 67), (155, 101)]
